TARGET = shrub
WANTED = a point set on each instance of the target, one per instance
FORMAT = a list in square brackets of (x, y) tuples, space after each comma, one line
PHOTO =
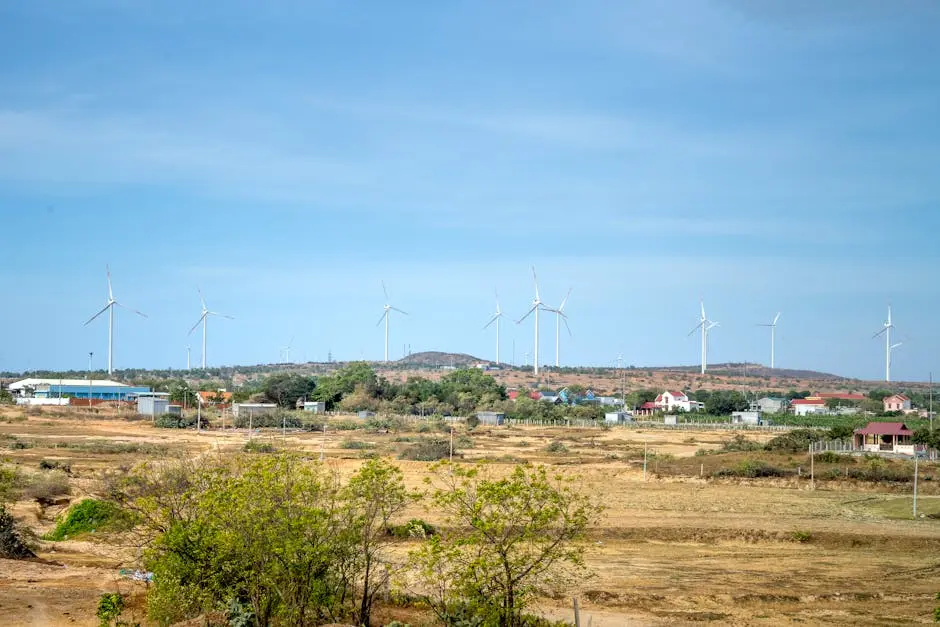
[(556, 447), (795, 441), (345, 425), (830, 457), (110, 606), (46, 464), (463, 441), (88, 516), (427, 451), (12, 545), (45, 485), (386, 423), (751, 468), (278, 419), (801, 535), (414, 528), (172, 421), (257, 446), (356, 445), (472, 422), (740, 443)]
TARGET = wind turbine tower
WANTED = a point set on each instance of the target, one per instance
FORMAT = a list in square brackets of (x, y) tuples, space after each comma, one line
[(559, 317), (385, 316), (705, 325), (773, 332), (203, 319), (495, 318), (886, 329), (110, 309), (536, 306), (286, 350)]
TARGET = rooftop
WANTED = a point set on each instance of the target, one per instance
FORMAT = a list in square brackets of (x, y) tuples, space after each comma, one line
[(33, 383), (884, 428)]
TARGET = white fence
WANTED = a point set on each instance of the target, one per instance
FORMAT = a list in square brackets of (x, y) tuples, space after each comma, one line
[(848, 446)]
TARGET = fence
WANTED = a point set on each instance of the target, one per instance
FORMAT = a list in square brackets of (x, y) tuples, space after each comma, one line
[(848, 446)]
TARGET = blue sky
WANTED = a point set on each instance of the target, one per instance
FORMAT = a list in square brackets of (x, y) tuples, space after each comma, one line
[(289, 156)]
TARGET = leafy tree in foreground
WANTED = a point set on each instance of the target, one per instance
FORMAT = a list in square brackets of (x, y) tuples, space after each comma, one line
[(510, 537)]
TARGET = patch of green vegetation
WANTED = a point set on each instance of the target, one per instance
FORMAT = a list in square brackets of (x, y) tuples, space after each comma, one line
[(556, 447), (428, 451), (88, 516), (751, 468), (110, 606), (257, 446), (356, 445), (801, 535), (414, 528), (902, 507)]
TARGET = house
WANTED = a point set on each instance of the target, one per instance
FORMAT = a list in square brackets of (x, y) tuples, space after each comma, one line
[(772, 405), (672, 400), (807, 406), (897, 402), (101, 389), (885, 437), (209, 397), (317, 407), (746, 417)]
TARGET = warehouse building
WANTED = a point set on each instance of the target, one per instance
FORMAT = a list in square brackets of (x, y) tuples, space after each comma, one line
[(102, 389)]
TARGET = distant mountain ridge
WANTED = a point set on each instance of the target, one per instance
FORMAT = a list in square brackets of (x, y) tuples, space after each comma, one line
[(752, 370), (437, 359)]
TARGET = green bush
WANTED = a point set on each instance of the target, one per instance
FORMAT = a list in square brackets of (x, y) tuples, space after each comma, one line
[(356, 445), (414, 528), (751, 468), (172, 421), (556, 447), (46, 464), (89, 515), (257, 446), (830, 457), (12, 545), (427, 451), (795, 441), (45, 485), (110, 606), (344, 425), (801, 535), (740, 443)]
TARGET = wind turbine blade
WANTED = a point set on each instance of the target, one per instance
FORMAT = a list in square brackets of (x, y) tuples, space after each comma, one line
[(893, 346), (110, 293), (97, 314), (536, 278), (291, 343), (384, 313), (492, 320), (221, 315), (777, 317), (198, 322), (879, 333), (702, 303), (385, 291), (564, 319), (139, 313), (696, 328), (399, 310), (564, 300), (528, 313), (201, 298), (497, 301)]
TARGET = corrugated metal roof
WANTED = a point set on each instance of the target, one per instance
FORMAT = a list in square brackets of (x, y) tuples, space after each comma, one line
[(885, 428), (32, 383)]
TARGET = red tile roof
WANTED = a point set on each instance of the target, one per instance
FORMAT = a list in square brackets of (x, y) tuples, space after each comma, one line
[(897, 397), (839, 395), (807, 401), (649, 405), (885, 428)]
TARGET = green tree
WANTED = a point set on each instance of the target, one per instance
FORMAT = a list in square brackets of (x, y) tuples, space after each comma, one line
[(509, 537), (374, 495), (285, 388)]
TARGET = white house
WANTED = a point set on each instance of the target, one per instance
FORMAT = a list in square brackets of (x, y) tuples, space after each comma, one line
[(672, 400), (807, 406)]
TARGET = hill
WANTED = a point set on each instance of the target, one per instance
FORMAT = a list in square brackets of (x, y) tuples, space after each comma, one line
[(436, 359), (754, 370)]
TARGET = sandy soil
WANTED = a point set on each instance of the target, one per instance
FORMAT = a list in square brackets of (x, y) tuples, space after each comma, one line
[(669, 550)]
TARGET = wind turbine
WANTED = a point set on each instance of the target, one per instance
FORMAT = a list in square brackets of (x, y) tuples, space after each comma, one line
[(495, 318), (705, 325), (559, 317), (773, 332), (536, 306), (286, 350), (110, 309), (385, 316), (204, 320), (886, 329)]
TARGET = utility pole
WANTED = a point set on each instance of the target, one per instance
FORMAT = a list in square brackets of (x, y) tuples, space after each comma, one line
[(90, 355), (930, 403), (915, 483)]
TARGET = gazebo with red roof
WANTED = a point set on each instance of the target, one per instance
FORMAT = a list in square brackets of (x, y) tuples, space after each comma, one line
[(885, 437)]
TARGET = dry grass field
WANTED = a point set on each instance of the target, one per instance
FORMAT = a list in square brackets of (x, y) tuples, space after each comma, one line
[(673, 548)]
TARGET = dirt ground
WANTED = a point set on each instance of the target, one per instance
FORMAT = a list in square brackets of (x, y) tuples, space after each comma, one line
[(670, 550)]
